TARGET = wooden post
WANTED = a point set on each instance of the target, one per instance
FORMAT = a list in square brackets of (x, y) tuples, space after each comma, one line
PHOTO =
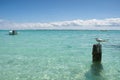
[(97, 53)]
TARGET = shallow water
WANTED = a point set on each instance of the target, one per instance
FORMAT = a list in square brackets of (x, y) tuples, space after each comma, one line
[(58, 55)]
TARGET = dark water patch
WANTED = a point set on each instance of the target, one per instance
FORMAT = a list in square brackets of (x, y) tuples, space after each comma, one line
[(119, 71), (69, 46), (10, 62), (116, 46)]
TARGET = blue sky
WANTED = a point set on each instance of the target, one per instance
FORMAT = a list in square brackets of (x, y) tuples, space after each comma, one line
[(43, 11)]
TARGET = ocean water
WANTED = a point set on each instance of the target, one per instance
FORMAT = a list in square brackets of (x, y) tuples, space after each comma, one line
[(58, 55)]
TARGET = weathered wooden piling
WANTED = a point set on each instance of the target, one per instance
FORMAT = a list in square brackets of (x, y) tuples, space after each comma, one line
[(97, 53)]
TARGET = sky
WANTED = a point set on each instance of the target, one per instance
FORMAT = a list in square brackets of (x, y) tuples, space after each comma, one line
[(59, 14)]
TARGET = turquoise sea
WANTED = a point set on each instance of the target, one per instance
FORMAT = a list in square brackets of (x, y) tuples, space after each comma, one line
[(58, 55)]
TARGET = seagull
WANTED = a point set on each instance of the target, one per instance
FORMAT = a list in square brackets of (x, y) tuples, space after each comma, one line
[(100, 40)]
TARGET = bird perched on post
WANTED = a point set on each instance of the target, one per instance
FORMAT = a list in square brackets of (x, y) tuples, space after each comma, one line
[(100, 40)]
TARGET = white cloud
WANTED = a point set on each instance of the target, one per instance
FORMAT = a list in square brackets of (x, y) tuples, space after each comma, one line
[(111, 23)]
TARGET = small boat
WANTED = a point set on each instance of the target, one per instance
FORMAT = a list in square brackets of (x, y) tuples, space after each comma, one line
[(13, 32)]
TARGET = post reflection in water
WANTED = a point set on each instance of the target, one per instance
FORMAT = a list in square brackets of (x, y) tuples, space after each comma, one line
[(95, 72), (96, 68)]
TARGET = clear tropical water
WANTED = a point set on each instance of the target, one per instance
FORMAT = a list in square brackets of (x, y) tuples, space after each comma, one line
[(58, 55)]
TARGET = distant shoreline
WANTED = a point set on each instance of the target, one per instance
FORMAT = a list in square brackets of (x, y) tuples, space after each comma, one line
[(60, 29)]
